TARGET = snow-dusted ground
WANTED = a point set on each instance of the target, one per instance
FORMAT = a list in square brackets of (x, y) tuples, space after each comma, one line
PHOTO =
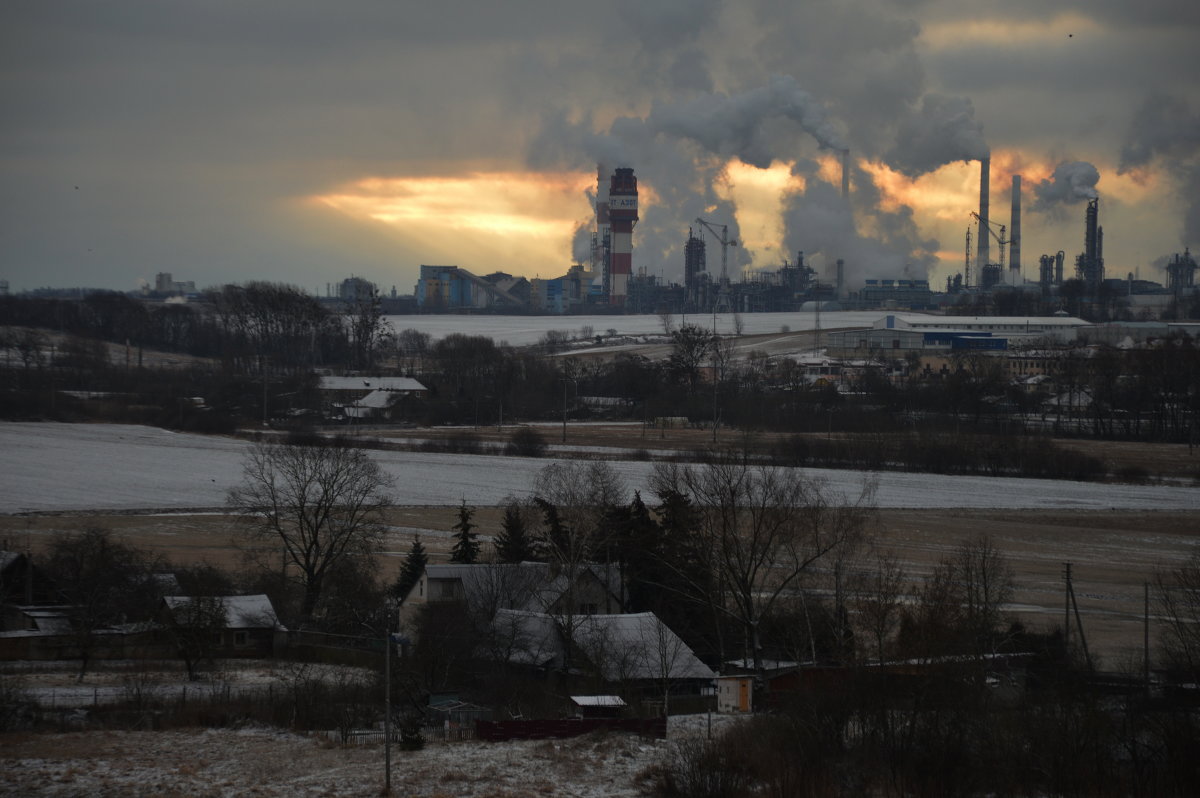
[(267, 762), (524, 330), (51, 466)]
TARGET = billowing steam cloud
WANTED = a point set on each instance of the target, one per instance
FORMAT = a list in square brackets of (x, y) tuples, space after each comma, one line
[(1168, 128), (1072, 182), (734, 125), (942, 131), (679, 150), (581, 243), (819, 223)]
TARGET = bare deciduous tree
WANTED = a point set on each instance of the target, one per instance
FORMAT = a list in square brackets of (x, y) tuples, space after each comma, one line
[(1178, 598), (877, 601), (322, 503), (104, 581), (764, 528)]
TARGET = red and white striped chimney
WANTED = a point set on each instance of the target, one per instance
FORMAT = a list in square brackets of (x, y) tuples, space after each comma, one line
[(622, 215)]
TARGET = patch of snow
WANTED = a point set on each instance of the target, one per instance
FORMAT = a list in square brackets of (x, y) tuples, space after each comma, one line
[(62, 467)]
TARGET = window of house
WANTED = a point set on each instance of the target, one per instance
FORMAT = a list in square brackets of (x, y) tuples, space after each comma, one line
[(241, 639)]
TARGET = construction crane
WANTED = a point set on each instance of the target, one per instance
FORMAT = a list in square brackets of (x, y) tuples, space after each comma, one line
[(1000, 237), (967, 268), (723, 305)]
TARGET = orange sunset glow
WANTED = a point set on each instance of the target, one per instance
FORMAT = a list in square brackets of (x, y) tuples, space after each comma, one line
[(519, 221)]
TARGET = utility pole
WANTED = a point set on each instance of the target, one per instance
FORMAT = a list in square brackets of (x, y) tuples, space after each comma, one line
[(1146, 638), (1072, 604), (387, 702)]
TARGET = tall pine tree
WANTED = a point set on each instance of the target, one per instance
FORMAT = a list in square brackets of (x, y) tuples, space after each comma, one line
[(410, 572), (466, 547), (513, 544)]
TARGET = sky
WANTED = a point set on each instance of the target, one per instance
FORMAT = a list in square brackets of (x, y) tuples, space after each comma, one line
[(306, 142)]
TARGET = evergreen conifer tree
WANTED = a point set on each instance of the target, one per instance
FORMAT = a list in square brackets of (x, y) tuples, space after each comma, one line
[(466, 548), (410, 573), (513, 544)]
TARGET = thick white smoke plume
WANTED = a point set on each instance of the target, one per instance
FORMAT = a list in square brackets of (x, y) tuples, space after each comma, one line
[(679, 150), (581, 243), (735, 125), (1071, 183), (943, 130), (1168, 129), (819, 222)]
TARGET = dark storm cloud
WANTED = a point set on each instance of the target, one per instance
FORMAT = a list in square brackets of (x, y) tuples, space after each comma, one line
[(1128, 15)]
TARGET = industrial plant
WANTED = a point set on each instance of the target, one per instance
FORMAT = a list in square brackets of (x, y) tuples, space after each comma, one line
[(992, 279)]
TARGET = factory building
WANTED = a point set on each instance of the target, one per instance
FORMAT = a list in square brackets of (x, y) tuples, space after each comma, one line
[(898, 341), (910, 294), (455, 288), (1061, 329)]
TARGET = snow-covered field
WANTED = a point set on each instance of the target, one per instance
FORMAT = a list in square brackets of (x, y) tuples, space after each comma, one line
[(265, 762), (524, 330), (51, 466)]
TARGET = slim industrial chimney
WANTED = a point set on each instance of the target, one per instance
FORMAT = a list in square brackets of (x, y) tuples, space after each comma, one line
[(1014, 233), (602, 243), (982, 255)]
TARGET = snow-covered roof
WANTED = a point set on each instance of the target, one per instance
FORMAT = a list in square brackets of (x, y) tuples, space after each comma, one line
[(370, 384), (768, 664), (377, 400), (530, 586), (241, 612), (922, 321), (637, 646), (598, 700)]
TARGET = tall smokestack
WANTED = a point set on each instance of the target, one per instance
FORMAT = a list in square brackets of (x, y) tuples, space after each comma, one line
[(846, 174), (1014, 233), (602, 245), (982, 255), (622, 214)]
